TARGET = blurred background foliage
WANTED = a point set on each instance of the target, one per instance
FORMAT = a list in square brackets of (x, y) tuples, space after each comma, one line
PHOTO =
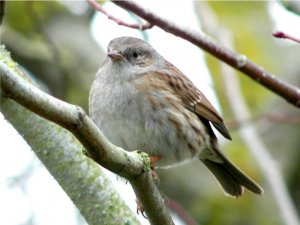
[(52, 40)]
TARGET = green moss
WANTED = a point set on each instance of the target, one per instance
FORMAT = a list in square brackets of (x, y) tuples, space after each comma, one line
[(146, 160), (6, 59), (84, 151)]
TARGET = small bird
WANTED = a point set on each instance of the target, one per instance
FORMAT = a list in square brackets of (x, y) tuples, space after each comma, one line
[(140, 101)]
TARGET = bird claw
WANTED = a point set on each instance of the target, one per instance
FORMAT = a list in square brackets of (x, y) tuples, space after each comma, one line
[(140, 209)]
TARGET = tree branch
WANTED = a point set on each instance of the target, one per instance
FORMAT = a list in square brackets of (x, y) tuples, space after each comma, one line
[(131, 165), (99, 8), (82, 179), (281, 118), (238, 61)]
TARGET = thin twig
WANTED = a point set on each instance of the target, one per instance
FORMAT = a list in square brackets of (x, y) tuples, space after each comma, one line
[(138, 26), (181, 212), (236, 60), (280, 34), (281, 118)]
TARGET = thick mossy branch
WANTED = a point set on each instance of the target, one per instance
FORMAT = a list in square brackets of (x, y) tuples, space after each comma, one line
[(81, 178), (127, 164)]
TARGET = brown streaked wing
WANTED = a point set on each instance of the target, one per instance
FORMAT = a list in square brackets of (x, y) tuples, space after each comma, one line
[(193, 98)]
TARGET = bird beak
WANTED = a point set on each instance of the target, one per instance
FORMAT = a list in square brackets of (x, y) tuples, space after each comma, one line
[(115, 55)]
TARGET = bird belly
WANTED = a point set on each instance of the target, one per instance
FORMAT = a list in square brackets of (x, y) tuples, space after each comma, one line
[(134, 125)]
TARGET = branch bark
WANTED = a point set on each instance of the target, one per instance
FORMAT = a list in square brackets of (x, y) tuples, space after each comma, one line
[(131, 165), (234, 59)]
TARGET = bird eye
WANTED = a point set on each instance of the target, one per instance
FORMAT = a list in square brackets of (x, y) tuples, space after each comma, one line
[(135, 55)]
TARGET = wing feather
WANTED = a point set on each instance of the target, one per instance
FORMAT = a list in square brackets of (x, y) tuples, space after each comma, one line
[(193, 98)]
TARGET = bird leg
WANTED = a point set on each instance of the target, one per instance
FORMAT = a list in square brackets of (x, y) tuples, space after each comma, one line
[(154, 175)]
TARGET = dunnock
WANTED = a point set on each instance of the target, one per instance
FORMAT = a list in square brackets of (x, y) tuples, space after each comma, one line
[(140, 101)]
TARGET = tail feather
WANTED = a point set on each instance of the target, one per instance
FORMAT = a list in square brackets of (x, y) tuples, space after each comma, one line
[(231, 179)]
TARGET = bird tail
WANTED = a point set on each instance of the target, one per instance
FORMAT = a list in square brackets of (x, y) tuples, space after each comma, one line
[(232, 179)]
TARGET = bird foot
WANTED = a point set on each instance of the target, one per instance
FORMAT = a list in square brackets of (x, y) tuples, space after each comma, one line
[(140, 208)]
